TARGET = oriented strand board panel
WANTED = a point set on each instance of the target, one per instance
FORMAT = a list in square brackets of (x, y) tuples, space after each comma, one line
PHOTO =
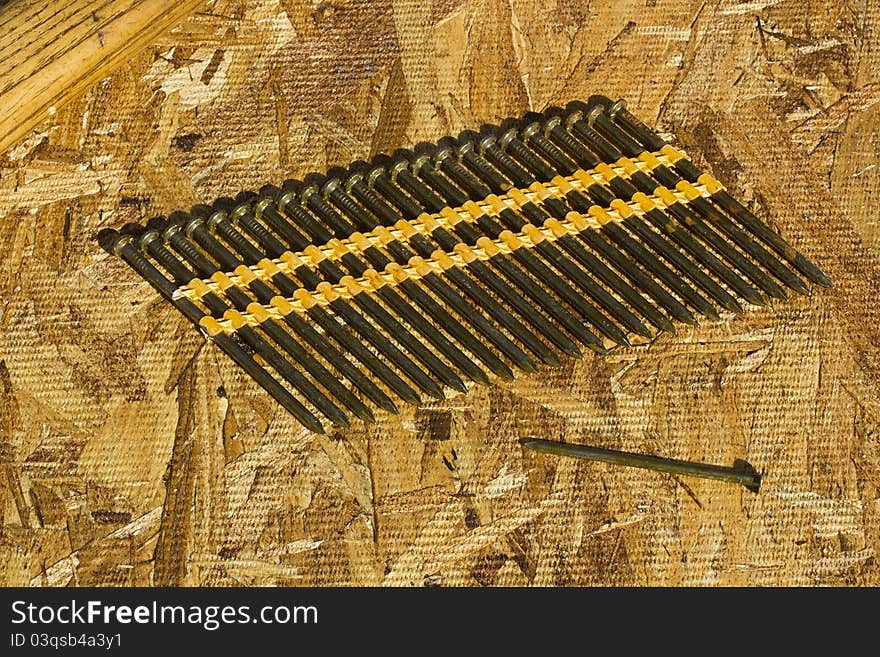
[(133, 454)]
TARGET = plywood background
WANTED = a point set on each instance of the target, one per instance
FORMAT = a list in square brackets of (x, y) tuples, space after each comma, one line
[(134, 455)]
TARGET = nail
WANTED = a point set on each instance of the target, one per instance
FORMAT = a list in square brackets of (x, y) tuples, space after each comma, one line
[(219, 221), (313, 200), (554, 129), (648, 138), (378, 179), (705, 232), (126, 249), (515, 300), (477, 320), (357, 266), (242, 303), (598, 120), (623, 262), (357, 186), (513, 297), (417, 320), (289, 373), (597, 241), (386, 348), (468, 154), (517, 329), (288, 204), (644, 258), (523, 282), (264, 295), (542, 289), (438, 314), (660, 270), (661, 175), (633, 125), (336, 193), (604, 198), (424, 248), (553, 281), (150, 244), (671, 229), (446, 162), (287, 287), (553, 255), (425, 171), (487, 147), (356, 348), (490, 228), (608, 276), (533, 149), (153, 245), (267, 210), (741, 473)]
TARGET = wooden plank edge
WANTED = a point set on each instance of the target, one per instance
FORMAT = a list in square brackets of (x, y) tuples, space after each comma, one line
[(94, 58)]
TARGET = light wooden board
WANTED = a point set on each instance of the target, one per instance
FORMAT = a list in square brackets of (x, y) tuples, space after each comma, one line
[(50, 52), (133, 454)]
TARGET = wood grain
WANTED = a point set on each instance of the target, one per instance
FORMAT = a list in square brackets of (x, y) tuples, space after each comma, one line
[(51, 52), (134, 454)]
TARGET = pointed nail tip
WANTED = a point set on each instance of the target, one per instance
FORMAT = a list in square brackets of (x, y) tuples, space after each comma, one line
[(815, 274), (757, 299), (411, 399), (480, 379), (734, 307), (523, 365), (462, 388), (819, 278), (803, 290), (456, 383), (365, 414), (550, 359), (390, 407), (505, 373), (436, 394), (593, 343), (687, 318), (711, 313), (663, 324), (430, 388)]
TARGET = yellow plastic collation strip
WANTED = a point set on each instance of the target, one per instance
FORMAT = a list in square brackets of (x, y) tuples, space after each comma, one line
[(303, 300), (448, 218)]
